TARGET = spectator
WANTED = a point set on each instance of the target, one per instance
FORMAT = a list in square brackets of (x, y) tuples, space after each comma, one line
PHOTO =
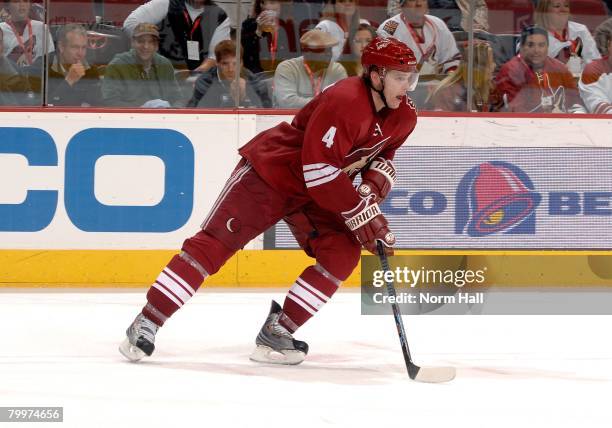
[(299, 80), (451, 93), (341, 19), (533, 82), (189, 30), (364, 35), (596, 81), (217, 87), (269, 35), (14, 88), (24, 37), (439, 8), (427, 36), (141, 77), (568, 41), (72, 81)]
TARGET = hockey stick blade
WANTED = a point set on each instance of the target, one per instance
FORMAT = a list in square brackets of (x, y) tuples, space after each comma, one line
[(419, 374), (434, 374)]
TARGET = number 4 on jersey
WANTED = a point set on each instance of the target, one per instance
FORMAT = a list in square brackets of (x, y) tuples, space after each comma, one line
[(328, 138)]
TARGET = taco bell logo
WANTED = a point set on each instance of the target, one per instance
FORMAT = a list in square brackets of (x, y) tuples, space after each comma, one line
[(495, 197)]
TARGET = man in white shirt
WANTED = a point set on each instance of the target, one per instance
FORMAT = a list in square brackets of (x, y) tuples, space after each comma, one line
[(595, 83), (24, 37), (428, 37)]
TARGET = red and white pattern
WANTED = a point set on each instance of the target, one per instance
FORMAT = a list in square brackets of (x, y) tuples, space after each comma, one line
[(173, 287), (319, 173), (311, 290), (307, 296)]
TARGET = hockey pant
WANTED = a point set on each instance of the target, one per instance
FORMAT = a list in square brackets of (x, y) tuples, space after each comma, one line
[(245, 208)]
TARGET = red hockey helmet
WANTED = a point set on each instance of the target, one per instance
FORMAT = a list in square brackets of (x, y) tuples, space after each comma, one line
[(389, 53)]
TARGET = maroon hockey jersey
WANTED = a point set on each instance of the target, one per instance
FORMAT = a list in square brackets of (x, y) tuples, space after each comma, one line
[(327, 144)]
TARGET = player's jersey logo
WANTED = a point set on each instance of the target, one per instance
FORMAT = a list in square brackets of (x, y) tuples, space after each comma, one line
[(362, 156), (495, 197), (410, 103), (377, 131)]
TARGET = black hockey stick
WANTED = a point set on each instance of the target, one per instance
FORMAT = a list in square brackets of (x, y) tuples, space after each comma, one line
[(421, 374)]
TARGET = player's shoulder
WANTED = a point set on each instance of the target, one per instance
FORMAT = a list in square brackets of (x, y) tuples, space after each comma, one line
[(594, 70), (408, 109)]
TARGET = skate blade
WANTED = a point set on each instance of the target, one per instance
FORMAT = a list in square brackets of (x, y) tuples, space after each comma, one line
[(130, 351), (265, 354)]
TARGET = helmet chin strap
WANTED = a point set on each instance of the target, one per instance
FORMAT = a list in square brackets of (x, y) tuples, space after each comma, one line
[(380, 92)]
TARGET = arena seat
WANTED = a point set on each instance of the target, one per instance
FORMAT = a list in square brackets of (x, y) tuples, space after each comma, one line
[(589, 12), (509, 16)]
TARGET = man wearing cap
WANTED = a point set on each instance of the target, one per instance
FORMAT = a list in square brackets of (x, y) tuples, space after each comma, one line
[(141, 77), (299, 80), (190, 30), (301, 172)]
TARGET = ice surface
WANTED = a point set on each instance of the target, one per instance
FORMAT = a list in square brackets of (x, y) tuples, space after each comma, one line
[(59, 348)]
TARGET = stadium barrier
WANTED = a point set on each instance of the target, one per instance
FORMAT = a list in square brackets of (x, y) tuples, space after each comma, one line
[(106, 197)]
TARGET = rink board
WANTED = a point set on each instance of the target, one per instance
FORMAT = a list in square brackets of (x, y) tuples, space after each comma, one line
[(73, 210)]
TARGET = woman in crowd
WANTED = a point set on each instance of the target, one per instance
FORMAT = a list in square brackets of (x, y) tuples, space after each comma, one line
[(364, 34), (451, 93), (340, 18), (568, 41)]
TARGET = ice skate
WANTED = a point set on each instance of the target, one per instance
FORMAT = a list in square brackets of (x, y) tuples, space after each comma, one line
[(140, 339), (275, 344)]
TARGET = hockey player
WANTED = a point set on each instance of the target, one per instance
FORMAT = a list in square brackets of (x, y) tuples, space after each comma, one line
[(302, 172)]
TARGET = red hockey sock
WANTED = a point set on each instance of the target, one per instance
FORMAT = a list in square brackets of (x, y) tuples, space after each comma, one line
[(311, 290), (176, 284)]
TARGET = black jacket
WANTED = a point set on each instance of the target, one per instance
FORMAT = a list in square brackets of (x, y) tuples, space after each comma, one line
[(210, 92)]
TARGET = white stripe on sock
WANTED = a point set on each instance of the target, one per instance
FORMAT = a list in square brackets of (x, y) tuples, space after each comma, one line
[(313, 290), (301, 303), (167, 294), (307, 296), (173, 286), (180, 280)]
